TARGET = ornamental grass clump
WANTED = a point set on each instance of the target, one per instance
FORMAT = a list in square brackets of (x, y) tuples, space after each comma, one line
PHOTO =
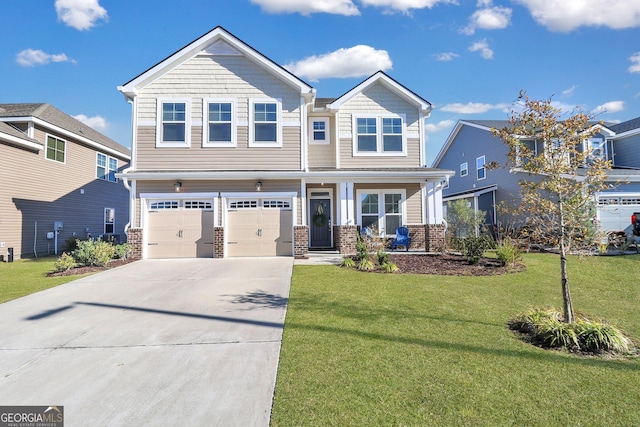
[(547, 328)]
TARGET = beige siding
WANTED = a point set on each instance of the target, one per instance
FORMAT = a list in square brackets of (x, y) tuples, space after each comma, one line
[(324, 155), (39, 190), (378, 100), (414, 198), (228, 77)]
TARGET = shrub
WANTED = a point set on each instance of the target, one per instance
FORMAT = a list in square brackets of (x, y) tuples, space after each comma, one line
[(474, 247), (122, 251), (347, 262), (389, 267), (94, 252), (556, 333), (598, 336), (383, 257), (366, 265), (508, 252), (65, 262)]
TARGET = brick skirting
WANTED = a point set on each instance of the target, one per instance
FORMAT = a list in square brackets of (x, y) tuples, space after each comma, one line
[(345, 237), (218, 242), (134, 240), (300, 241)]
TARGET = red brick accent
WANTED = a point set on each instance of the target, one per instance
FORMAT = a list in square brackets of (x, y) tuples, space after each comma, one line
[(300, 241), (218, 242), (436, 241), (346, 237), (418, 236), (134, 240)]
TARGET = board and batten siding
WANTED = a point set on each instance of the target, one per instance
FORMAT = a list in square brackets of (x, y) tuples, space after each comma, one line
[(222, 77), (44, 191), (378, 100)]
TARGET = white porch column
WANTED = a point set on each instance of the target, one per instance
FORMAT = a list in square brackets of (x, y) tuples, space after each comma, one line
[(435, 212), (346, 207)]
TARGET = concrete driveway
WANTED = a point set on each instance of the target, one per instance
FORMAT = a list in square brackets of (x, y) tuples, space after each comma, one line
[(156, 342)]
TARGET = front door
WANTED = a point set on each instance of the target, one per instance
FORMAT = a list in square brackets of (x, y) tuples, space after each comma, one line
[(320, 223)]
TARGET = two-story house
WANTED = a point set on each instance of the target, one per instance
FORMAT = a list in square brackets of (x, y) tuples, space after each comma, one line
[(471, 146), (233, 155), (58, 181)]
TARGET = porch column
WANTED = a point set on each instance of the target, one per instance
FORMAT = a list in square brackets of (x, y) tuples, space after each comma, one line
[(347, 211), (345, 231), (433, 198)]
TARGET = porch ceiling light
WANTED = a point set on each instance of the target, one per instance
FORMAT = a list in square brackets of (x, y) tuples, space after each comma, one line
[(177, 186), (258, 185)]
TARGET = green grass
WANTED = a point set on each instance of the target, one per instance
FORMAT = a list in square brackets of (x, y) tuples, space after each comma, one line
[(362, 349), (26, 276)]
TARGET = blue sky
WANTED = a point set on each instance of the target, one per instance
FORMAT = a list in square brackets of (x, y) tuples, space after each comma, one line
[(469, 58)]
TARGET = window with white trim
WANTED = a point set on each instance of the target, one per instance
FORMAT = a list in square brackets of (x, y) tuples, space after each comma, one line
[(381, 209), (265, 128), (109, 220), (480, 168), (198, 204), (243, 204), (319, 131), (166, 204), (56, 149), (276, 204), (173, 125), (464, 169), (379, 135), (106, 167), (220, 128)]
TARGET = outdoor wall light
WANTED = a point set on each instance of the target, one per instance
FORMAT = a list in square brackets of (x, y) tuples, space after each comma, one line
[(177, 186), (258, 185)]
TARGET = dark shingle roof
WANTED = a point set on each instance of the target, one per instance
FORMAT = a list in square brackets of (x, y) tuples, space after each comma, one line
[(626, 126), (53, 116), (323, 102)]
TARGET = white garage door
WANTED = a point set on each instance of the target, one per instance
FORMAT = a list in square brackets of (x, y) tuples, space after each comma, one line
[(180, 229), (259, 227)]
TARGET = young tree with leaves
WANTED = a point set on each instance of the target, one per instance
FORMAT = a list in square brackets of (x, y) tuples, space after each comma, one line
[(558, 200)]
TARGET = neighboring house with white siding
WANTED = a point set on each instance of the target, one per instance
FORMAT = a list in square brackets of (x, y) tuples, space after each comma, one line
[(232, 155), (56, 171), (472, 145)]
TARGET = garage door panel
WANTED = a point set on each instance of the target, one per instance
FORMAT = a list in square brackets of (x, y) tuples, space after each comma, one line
[(259, 231), (180, 233)]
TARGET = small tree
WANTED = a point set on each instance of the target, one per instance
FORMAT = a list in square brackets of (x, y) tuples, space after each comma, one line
[(463, 220), (559, 200)]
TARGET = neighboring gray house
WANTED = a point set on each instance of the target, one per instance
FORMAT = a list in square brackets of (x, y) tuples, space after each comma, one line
[(472, 145), (57, 180), (232, 155)]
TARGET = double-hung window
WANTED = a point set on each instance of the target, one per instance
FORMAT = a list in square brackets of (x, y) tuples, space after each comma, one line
[(56, 149), (173, 126), (109, 220), (464, 169), (265, 127), (106, 167), (220, 129), (480, 168), (378, 135), (319, 131), (382, 210)]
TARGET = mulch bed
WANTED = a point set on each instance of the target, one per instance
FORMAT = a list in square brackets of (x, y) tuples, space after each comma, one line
[(448, 264), (90, 269)]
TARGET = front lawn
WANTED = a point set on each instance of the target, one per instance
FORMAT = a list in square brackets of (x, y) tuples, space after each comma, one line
[(26, 276), (416, 350)]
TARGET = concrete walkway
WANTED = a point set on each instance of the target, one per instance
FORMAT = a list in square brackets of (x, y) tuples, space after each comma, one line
[(156, 342)]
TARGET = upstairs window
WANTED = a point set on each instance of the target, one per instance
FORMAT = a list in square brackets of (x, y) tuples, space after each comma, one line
[(220, 128), (265, 123), (379, 136), (56, 149), (319, 130), (173, 123), (480, 168), (464, 169), (106, 168)]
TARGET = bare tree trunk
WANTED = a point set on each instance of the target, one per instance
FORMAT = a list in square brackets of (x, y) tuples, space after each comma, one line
[(566, 293)]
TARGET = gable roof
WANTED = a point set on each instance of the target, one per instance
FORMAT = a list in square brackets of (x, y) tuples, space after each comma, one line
[(628, 126), (485, 125), (216, 41), (13, 135), (382, 78), (49, 116)]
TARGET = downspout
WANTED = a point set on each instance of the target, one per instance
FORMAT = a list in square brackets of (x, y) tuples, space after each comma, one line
[(35, 240), (132, 166)]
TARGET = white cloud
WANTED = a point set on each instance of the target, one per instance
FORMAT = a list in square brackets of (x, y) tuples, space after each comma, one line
[(482, 46), (96, 122), (472, 107), (446, 56), (80, 14), (440, 126), (336, 7), (405, 5), (569, 92), (33, 57), (357, 61), (489, 18), (567, 15), (609, 107), (635, 63)]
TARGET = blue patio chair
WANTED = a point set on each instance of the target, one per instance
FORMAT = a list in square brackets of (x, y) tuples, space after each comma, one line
[(402, 238)]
